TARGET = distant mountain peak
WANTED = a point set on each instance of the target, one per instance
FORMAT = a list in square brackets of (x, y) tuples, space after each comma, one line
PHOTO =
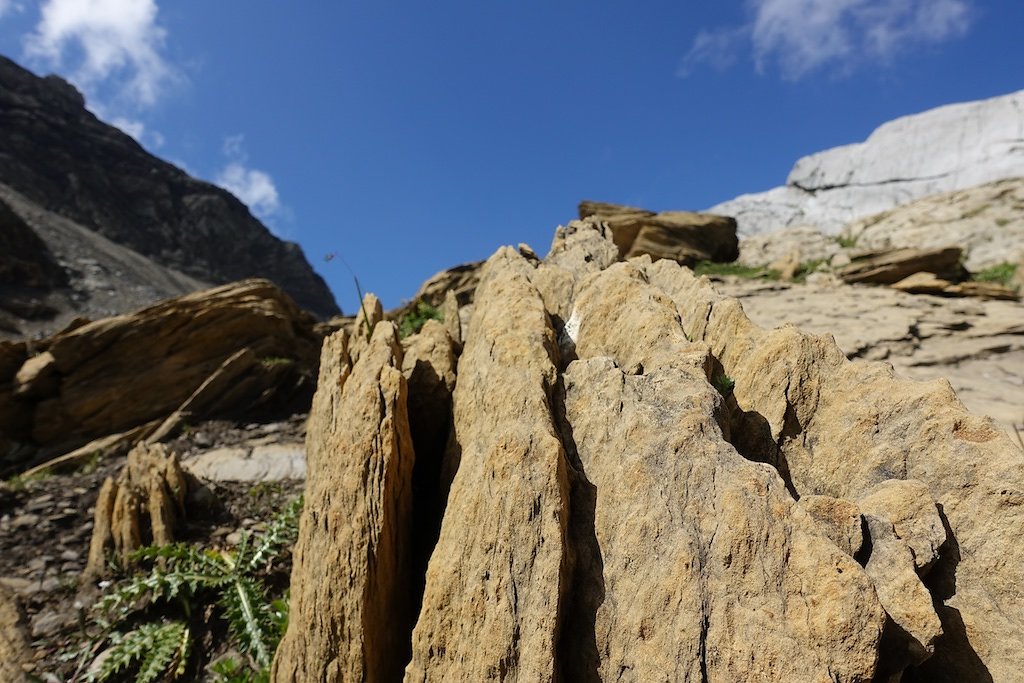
[(58, 155)]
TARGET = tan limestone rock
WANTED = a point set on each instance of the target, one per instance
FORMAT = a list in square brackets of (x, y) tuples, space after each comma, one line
[(909, 507), (683, 236), (887, 266), (838, 428), (679, 518), (350, 598), (140, 507), (985, 220), (905, 598), (462, 280), (839, 519), (15, 651), (115, 374), (491, 608)]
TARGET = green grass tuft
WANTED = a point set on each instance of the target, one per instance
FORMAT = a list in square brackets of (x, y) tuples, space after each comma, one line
[(1001, 273), (413, 321)]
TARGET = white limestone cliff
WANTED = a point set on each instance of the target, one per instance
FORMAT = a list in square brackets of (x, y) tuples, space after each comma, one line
[(940, 150)]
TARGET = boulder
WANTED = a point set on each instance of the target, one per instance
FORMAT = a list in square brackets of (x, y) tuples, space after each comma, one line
[(986, 221), (230, 351), (948, 148), (888, 266), (682, 236)]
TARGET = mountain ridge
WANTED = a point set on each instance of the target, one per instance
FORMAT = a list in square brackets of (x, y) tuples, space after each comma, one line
[(59, 156)]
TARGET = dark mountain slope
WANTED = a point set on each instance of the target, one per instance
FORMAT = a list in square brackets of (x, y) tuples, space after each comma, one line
[(58, 155)]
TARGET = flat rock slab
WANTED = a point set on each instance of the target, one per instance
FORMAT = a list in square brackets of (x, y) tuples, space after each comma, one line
[(977, 345), (269, 462)]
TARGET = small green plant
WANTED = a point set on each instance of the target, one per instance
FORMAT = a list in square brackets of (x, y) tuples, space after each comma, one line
[(807, 268), (1001, 222), (150, 622), (1001, 273), (413, 321), (846, 242), (712, 268), (725, 384)]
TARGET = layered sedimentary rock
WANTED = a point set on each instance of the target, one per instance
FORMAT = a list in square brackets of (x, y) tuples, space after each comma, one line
[(646, 486), (940, 150), (235, 349), (683, 236), (986, 221)]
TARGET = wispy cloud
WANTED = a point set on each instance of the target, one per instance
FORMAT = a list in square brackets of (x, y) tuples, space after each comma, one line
[(138, 130), (254, 187), (114, 43), (802, 36)]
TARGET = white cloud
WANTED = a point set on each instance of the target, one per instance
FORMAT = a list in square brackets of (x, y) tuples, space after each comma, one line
[(802, 36), (254, 187), (137, 129), (110, 41), (717, 48)]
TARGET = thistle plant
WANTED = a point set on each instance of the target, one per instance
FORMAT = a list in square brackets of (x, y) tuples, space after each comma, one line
[(194, 585)]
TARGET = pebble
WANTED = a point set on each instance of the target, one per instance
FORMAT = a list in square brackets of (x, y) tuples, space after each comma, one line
[(70, 555), (25, 520), (46, 624)]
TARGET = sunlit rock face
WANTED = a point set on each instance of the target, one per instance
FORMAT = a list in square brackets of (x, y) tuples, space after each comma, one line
[(948, 148)]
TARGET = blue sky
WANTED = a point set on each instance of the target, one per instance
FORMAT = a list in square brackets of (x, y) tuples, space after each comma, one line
[(407, 137)]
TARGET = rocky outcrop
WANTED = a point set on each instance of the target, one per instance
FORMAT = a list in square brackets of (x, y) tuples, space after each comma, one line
[(940, 150), (888, 266), (977, 345), (15, 652), (62, 159), (351, 597), (986, 221), (682, 236), (233, 350), (142, 506), (647, 486)]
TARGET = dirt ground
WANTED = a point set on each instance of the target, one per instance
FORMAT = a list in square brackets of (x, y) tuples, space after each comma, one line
[(46, 525)]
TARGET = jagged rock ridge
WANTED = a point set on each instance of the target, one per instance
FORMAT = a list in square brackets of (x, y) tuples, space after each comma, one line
[(940, 150), (61, 158), (616, 510)]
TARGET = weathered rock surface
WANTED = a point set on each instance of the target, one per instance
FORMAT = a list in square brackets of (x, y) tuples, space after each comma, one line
[(14, 645), (491, 607), (839, 428), (683, 236), (888, 266), (232, 350), (613, 516), (940, 150), (62, 159), (977, 345), (351, 609), (986, 221), (684, 522), (142, 506)]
